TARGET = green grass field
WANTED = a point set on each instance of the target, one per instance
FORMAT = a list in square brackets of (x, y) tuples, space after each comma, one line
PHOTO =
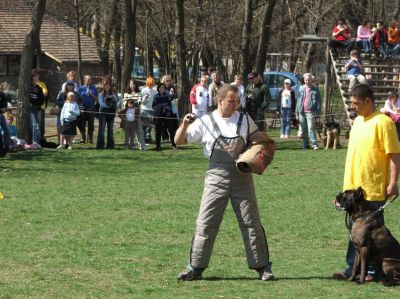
[(118, 224)]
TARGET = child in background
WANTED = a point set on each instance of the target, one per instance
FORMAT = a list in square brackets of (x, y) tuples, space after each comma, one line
[(132, 125), (392, 106), (68, 116), (392, 109), (354, 69)]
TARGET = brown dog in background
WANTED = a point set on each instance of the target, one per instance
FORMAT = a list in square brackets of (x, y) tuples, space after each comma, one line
[(331, 133), (373, 241)]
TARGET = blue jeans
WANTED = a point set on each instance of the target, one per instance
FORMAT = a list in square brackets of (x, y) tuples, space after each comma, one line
[(35, 119), (307, 123), (105, 119), (286, 114), (6, 132), (395, 50), (351, 250), (365, 44), (384, 49)]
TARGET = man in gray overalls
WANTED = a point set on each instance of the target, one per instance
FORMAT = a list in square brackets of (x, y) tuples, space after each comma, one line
[(224, 133)]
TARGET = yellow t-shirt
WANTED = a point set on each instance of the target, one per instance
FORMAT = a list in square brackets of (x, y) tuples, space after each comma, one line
[(372, 138), (45, 91)]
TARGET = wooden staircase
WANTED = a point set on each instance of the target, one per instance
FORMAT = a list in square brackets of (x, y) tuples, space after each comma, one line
[(382, 75)]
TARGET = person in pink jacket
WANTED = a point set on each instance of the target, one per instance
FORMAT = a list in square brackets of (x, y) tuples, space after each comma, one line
[(364, 33)]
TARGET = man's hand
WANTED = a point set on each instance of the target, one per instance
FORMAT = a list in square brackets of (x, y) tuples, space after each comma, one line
[(189, 118), (180, 135), (392, 189)]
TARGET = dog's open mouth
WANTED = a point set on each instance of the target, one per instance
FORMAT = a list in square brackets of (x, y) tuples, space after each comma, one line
[(338, 206)]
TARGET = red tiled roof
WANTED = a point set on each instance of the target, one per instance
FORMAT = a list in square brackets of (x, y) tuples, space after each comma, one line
[(58, 40)]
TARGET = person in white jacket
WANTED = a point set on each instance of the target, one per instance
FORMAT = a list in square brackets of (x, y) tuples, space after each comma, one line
[(146, 109), (68, 116), (199, 97)]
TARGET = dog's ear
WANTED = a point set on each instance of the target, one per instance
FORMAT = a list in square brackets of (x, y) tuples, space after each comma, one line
[(359, 194)]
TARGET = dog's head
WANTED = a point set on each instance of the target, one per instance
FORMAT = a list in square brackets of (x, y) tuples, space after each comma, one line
[(349, 200)]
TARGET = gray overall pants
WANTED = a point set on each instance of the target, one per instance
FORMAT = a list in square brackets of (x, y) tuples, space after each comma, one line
[(223, 182)]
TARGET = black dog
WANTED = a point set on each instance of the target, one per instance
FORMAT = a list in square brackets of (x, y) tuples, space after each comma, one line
[(373, 241)]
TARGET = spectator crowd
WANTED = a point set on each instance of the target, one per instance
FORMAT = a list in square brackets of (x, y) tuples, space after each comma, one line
[(151, 113)]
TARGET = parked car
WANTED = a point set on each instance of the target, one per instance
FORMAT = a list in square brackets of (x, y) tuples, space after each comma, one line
[(274, 80)]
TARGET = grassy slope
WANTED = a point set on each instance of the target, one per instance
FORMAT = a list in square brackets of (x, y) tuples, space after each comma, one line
[(112, 224)]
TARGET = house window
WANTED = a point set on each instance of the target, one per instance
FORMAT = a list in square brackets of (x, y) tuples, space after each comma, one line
[(9, 65)]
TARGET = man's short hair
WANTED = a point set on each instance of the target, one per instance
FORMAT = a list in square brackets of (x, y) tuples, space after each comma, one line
[(252, 75), (223, 91), (361, 92)]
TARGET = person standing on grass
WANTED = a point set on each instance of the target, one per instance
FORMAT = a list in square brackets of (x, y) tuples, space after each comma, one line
[(5, 140), (199, 97), (286, 100), (238, 81), (69, 114), (133, 94), (36, 79), (308, 106), (213, 88), (146, 109), (60, 100), (36, 102), (163, 112), (224, 134), (372, 161), (108, 102), (257, 97), (89, 96)]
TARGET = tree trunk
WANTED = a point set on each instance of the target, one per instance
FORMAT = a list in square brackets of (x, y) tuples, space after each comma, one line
[(78, 38), (182, 73), (245, 65), (129, 40), (149, 44), (396, 11), (264, 36), (382, 10), (217, 52), (117, 54), (24, 79)]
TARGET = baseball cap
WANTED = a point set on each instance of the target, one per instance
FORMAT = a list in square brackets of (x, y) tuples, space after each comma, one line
[(252, 75), (288, 81)]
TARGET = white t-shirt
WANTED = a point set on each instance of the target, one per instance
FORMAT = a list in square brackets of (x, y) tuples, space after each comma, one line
[(202, 131), (286, 99), (147, 98), (389, 107), (201, 100), (130, 114)]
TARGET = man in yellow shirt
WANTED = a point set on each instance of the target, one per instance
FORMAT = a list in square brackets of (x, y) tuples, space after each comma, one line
[(373, 159)]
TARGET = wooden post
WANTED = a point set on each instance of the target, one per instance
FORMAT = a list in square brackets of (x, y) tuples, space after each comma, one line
[(327, 84)]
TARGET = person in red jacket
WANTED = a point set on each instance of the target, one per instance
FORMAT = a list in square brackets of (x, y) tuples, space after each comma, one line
[(341, 38), (380, 40)]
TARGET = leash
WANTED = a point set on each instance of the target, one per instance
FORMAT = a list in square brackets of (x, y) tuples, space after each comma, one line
[(381, 208)]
